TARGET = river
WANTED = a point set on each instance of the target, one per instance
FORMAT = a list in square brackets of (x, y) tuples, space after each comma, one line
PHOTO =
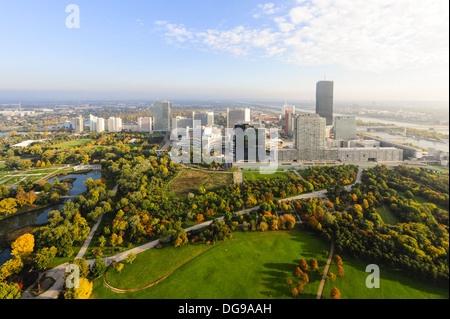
[(39, 217), (441, 146)]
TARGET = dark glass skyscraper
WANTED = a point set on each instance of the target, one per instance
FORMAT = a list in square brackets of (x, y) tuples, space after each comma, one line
[(324, 100)]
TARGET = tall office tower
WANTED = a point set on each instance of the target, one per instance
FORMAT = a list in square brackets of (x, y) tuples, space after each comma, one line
[(93, 122), (324, 100), (162, 113), (237, 116), (290, 124), (206, 118), (115, 124), (79, 124), (310, 138), (249, 144), (100, 125), (145, 124), (287, 116), (345, 128)]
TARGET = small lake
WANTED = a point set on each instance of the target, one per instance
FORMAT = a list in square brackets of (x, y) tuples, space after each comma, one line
[(39, 217)]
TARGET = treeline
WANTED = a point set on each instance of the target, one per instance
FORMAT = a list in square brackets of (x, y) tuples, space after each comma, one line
[(418, 245)]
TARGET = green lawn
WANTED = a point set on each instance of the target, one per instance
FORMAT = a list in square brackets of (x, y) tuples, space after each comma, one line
[(71, 144), (251, 265), (250, 176), (393, 284), (387, 215)]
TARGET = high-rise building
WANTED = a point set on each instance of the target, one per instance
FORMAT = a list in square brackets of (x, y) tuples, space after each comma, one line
[(249, 143), (237, 116), (145, 124), (100, 125), (79, 124), (206, 118), (92, 122), (96, 124), (324, 100), (345, 128), (310, 139), (115, 124), (162, 114)]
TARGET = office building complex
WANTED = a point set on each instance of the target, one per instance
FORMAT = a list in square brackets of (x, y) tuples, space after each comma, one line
[(344, 128), (162, 114), (237, 116), (324, 100), (145, 124), (206, 118), (181, 122)]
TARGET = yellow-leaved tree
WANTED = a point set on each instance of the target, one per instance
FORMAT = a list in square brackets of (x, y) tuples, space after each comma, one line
[(83, 292), (23, 246)]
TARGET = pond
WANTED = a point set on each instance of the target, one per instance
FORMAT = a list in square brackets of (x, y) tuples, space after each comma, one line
[(39, 217)]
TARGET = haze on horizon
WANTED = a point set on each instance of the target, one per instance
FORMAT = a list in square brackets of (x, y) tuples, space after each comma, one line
[(389, 50)]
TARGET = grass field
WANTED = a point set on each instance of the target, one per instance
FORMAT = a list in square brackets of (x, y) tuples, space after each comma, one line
[(72, 144), (249, 176), (251, 265), (387, 215), (190, 180), (393, 284)]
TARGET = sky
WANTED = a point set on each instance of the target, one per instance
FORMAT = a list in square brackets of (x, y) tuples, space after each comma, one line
[(234, 49)]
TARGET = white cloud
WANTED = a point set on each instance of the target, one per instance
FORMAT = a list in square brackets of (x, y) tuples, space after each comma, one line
[(375, 35), (265, 9)]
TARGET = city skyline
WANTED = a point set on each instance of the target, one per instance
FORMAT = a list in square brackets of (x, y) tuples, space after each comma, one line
[(389, 50)]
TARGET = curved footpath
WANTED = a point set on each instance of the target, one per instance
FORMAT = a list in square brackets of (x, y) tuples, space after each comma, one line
[(58, 272)]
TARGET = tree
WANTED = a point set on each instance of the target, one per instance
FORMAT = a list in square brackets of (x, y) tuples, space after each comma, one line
[(200, 218), (24, 165), (337, 260), (97, 268), (10, 267), (8, 206), (335, 293), (119, 267), (313, 265), (294, 292), (44, 257), (303, 265), (263, 226), (83, 292), (304, 277), (9, 291), (23, 246), (340, 271), (130, 258), (300, 286), (297, 272), (332, 276)]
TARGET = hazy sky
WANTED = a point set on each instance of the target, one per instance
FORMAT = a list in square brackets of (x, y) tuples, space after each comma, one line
[(371, 49)]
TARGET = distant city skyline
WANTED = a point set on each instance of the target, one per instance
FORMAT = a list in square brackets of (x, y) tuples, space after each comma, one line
[(372, 50)]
